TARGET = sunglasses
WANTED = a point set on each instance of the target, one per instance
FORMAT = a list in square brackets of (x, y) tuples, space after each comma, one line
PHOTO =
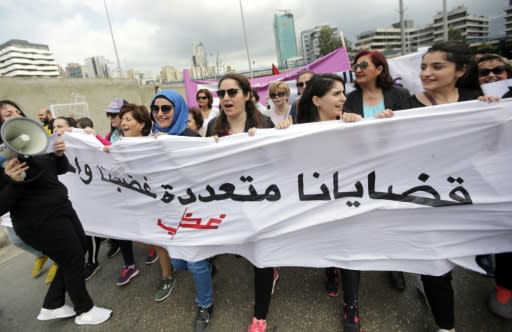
[(112, 115), (280, 94), (164, 108), (231, 93), (201, 97), (496, 71), (302, 84), (362, 65)]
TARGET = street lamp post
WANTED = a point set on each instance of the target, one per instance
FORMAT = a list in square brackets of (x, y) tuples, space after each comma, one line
[(445, 22), (113, 40), (245, 39)]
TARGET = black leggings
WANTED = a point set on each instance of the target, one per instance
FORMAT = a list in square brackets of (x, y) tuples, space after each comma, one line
[(439, 292), (350, 283), (93, 248), (263, 282), (127, 251), (503, 272)]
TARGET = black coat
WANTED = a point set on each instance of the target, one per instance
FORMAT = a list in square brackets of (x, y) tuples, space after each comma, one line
[(393, 99)]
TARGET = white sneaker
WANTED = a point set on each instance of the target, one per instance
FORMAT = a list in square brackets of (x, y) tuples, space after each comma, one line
[(94, 316), (443, 330), (62, 312)]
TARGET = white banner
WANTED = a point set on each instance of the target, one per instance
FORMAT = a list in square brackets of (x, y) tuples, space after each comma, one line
[(409, 193)]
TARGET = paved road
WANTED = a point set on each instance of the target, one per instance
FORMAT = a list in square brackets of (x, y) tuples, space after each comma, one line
[(299, 303)]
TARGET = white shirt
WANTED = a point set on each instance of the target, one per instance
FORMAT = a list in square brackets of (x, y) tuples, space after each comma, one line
[(276, 118), (213, 113)]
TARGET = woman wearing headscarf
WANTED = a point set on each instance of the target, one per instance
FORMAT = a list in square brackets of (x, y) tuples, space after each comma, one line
[(170, 116)]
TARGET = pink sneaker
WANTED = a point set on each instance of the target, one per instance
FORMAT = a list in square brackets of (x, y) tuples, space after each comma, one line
[(257, 325), (127, 274)]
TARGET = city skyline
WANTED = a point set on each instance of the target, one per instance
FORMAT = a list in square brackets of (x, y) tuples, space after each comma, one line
[(151, 37)]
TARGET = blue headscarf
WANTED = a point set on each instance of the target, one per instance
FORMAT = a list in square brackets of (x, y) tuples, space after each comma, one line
[(179, 121)]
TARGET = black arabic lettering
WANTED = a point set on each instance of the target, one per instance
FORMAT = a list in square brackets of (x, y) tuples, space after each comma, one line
[(87, 171), (188, 200), (167, 197), (123, 183), (272, 193), (407, 197), (206, 199), (324, 196), (465, 198), (358, 193)]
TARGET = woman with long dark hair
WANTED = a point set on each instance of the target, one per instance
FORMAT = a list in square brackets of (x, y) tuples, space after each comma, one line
[(323, 100), (238, 115), (448, 75), (208, 112)]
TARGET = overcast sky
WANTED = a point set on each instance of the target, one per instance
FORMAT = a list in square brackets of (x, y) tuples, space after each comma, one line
[(152, 34)]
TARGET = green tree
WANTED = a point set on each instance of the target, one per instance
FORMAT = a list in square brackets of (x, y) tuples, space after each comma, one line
[(328, 40), (456, 34)]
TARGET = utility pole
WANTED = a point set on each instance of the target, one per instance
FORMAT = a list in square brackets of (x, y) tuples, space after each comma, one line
[(402, 25), (245, 39), (113, 40), (445, 22), (342, 40)]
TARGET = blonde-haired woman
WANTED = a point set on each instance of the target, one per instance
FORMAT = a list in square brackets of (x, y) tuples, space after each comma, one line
[(279, 93)]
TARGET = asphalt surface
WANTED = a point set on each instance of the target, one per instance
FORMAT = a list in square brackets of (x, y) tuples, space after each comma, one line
[(299, 303)]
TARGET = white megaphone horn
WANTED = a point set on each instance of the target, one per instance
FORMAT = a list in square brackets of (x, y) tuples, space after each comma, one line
[(22, 136)]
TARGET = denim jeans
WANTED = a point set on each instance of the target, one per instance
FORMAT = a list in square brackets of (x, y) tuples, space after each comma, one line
[(15, 239), (202, 275)]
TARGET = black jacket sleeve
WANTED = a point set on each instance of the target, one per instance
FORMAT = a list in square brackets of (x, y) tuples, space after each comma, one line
[(62, 164), (10, 192)]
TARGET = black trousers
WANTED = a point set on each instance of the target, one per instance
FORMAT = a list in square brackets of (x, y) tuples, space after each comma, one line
[(62, 238), (263, 281), (503, 272), (350, 283), (93, 248), (439, 292)]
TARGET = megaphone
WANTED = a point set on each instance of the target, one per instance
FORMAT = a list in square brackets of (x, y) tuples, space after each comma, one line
[(22, 136)]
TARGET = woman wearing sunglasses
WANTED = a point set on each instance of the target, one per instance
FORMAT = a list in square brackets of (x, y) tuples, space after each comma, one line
[(239, 115), (170, 116), (375, 94), (279, 93), (205, 102), (493, 68), (374, 97)]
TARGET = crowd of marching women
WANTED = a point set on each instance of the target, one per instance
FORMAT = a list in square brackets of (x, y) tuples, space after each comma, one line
[(46, 224)]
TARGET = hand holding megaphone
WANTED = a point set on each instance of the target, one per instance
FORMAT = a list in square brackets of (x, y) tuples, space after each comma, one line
[(21, 136)]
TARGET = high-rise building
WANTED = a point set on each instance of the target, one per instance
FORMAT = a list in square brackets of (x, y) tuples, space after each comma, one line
[(284, 35), (472, 28), (74, 70), (170, 74), (508, 19), (310, 42), (21, 58), (97, 67), (199, 61), (386, 38), (199, 55)]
